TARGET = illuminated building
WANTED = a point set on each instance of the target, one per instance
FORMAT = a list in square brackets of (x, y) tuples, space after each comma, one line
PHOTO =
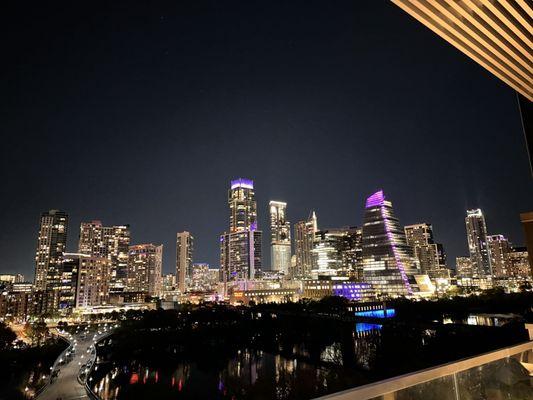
[(94, 276), (327, 252), (22, 287), (463, 267), (70, 265), (338, 252), (41, 302), (12, 278), (280, 237), (527, 224), (352, 252), (304, 236), (499, 250), (519, 266), (388, 262), (279, 295), (109, 242), (168, 282), (242, 205), (240, 254), (15, 305), (495, 34), (476, 232), (51, 244), (203, 279), (430, 255), (337, 286), (144, 268), (240, 248), (184, 251)]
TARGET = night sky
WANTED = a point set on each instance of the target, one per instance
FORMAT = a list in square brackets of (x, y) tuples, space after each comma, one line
[(141, 113)]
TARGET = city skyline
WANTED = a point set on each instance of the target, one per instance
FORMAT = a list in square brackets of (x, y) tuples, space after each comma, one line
[(265, 242), (266, 256), (267, 199), (316, 120)]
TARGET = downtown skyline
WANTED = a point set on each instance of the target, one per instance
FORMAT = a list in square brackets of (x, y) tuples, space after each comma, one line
[(316, 120), (265, 242)]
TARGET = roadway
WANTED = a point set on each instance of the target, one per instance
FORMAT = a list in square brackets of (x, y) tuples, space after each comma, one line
[(65, 383)]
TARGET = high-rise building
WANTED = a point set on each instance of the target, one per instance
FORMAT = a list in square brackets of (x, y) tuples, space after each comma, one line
[(499, 250), (240, 255), (463, 267), (388, 261), (240, 248), (51, 244), (203, 279), (109, 242), (430, 255), (184, 252), (168, 283), (352, 252), (476, 232), (338, 252), (280, 238), (527, 224), (242, 205), (144, 268), (70, 265), (327, 252), (94, 275), (304, 236), (519, 263)]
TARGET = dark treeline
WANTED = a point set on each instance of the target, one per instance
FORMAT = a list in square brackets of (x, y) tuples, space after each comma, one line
[(491, 302)]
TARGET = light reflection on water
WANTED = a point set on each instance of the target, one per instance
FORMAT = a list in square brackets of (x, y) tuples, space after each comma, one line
[(250, 374), (480, 320)]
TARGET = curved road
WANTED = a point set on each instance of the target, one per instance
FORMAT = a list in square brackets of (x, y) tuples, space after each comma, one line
[(66, 385)]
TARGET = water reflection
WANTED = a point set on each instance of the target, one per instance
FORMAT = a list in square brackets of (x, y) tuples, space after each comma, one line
[(480, 319), (250, 374)]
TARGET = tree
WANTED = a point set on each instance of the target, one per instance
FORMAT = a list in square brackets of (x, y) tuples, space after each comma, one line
[(7, 336), (36, 332)]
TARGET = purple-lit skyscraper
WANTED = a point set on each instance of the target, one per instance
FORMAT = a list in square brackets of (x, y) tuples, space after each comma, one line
[(388, 261), (240, 248)]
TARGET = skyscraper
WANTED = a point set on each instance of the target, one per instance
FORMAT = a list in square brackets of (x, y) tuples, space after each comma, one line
[(242, 205), (240, 248), (519, 264), (280, 237), (388, 261), (144, 268), (476, 232), (109, 242), (51, 244), (352, 252), (70, 265), (338, 252), (184, 252), (429, 254), (304, 236), (240, 255), (94, 275), (327, 252), (499, 250)]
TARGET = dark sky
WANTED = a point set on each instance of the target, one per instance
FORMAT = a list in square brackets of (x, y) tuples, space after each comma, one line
[(142, 112)]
